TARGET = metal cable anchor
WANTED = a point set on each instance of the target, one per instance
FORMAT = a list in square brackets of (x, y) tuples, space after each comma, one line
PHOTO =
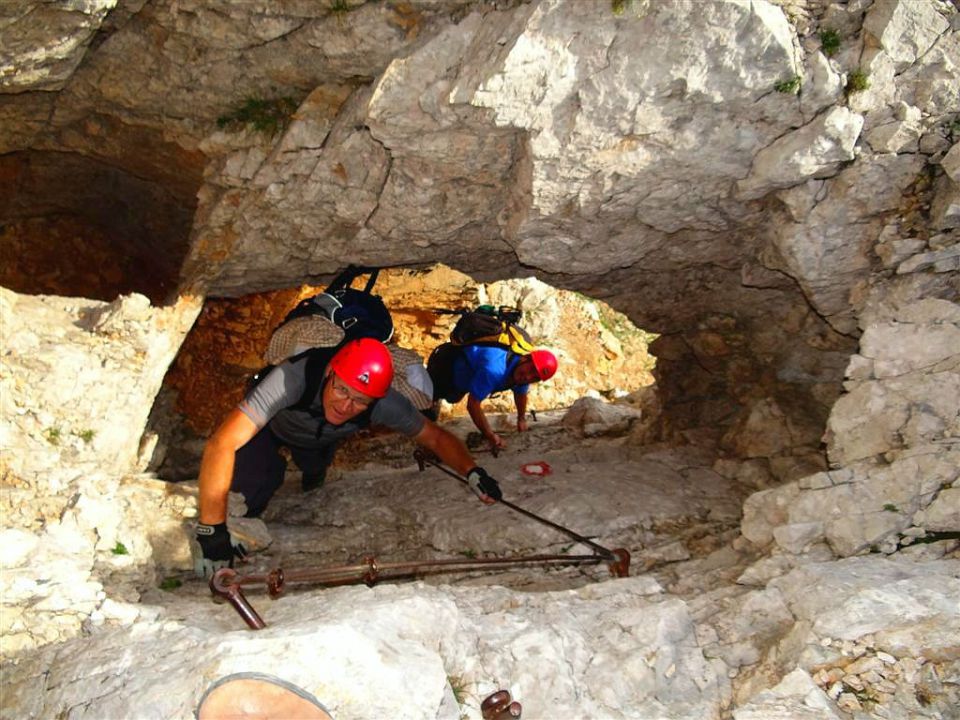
[(224, 584), (500, 706)]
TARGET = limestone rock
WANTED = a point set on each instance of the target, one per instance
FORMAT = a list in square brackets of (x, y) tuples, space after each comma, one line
[(943, 514), (592, 416), (946, 204), (853, 510), (895, 136), (822, 85), (640, 154), (951, 163), (766, 510), (794, 697), (915, 392), (941, 261), (358, 661), (42, 44), (764, 430), (905, 28), (834, 597), (813, 151), (833, 268), (75, 411)]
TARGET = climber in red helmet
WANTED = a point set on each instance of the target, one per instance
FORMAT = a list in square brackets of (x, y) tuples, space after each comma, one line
[(308, 404), (479, 371)]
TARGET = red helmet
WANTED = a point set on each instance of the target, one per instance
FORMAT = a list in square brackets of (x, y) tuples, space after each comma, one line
[(545, 362), (365, 365)]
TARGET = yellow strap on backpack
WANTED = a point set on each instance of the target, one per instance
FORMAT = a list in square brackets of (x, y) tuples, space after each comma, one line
[(518, 341)]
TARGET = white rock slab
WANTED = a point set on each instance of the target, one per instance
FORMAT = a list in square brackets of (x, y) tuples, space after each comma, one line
[(906, 29), (852, 598), (813, 151), (795, 697), (617, 649)]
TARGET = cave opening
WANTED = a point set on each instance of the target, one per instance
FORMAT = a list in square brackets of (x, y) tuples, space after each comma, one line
[(602, 354), (72, 225)]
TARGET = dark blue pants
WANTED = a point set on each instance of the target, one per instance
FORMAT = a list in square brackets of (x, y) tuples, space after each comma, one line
[(259, 468)]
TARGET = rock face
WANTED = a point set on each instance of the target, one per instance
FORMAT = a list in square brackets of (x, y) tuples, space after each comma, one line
[(69, 418), (644, 170), (43, 44), (368, 658), (770, 187), (909, 364), (76, 376)]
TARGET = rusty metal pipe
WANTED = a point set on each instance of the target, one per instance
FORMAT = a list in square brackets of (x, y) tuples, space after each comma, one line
[(224, 584), (423, 459), (370, 571)]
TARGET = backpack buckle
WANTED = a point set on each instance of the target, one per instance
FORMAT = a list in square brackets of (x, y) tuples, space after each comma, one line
[(328, 303)]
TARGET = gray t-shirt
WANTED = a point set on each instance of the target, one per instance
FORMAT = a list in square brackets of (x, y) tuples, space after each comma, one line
[(269, 403)]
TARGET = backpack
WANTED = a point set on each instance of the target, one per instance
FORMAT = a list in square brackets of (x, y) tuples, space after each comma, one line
[(359, 312), (440, 369), (492, 326), (334, 316), (486, 325), (318, 325)]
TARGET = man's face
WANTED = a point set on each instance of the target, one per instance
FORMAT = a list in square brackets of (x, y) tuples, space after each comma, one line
[(341, 402), (525, 373)]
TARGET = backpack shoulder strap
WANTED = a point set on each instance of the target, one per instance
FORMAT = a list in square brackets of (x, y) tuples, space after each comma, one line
[(351, 272), (514, 340), (374, 272), (519, 339), (317, 360)]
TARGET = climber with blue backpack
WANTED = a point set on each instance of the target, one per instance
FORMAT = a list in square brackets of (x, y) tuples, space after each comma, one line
[(488, 353), (308, 404)]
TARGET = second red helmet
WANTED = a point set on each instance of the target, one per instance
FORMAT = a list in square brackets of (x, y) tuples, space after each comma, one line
[(365, 365), (545, 362)]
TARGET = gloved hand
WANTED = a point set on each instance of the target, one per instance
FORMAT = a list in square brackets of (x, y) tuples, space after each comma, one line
[(485, 487), (216, 548)]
